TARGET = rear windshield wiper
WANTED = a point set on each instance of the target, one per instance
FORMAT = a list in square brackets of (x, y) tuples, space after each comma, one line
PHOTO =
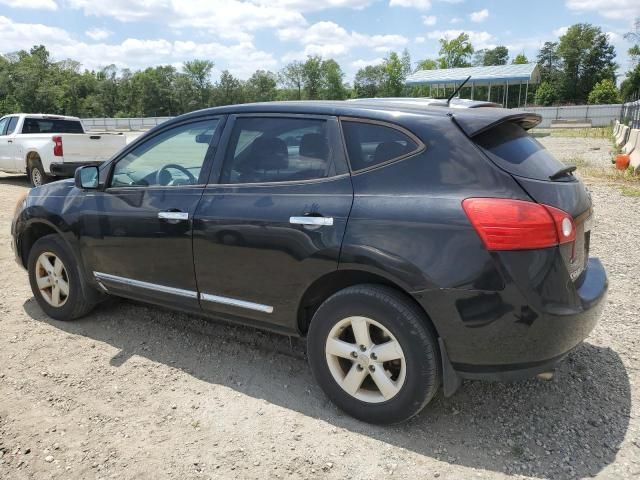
[(562, 172)]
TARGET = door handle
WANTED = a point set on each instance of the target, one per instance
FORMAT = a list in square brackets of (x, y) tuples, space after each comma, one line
[(313, 221), (9, 141), (173, 215)]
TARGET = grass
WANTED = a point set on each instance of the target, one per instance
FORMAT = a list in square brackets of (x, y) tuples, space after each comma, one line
[(593, 132), (626, 181)]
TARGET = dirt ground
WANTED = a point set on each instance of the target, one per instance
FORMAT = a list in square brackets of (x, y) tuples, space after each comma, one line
[(136, 392)]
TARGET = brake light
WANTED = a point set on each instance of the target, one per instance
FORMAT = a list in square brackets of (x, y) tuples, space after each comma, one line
[(57, 146), (506, 224)]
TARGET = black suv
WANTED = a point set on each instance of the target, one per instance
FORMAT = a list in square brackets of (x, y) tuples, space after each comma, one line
[(413, 245)]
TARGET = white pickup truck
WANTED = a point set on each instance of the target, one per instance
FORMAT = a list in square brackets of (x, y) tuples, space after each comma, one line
[(46, 146)]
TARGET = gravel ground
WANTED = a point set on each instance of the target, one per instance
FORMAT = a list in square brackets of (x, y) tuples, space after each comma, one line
[(134, 391)]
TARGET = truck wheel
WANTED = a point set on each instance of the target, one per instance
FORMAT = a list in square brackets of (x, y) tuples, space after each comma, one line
[(37, 176), (371, 351), (56, 281)]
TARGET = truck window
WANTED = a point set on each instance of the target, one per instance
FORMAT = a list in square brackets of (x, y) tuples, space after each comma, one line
[(50, 125), (13, 121)]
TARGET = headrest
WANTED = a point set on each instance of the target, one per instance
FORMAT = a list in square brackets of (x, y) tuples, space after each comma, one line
[(269, 153), (389, 150), (314, 145)]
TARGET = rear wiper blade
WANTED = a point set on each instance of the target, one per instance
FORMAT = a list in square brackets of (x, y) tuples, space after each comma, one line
[(562, 172)]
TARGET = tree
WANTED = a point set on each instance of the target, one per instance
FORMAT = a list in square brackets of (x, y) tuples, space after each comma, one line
[(312, 77), (520, 59), (396, 68), (587, 58), (228, 90), (427, 64), (369, 81), (549, 62), (261, 87), (604, 92), (496, 56), (546, 94), (455, 52), (292, 77), (634, 37), (333, 80), (199, 73)]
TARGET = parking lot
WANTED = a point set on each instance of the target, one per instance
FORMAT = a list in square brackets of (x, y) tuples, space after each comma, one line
[(134, 391)]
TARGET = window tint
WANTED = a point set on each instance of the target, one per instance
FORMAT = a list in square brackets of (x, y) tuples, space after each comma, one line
[(48, 125), (277, 150), (13, 121), (3, 125), (517, 152), (172, 158), (370, 144)]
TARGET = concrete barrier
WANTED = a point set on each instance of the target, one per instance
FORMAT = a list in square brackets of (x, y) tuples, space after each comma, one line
[(634, 157), (631, 141), (621, 139), (616, 128)]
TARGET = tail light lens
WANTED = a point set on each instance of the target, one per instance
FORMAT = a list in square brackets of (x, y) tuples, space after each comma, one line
[(57, 146), (505, 224)]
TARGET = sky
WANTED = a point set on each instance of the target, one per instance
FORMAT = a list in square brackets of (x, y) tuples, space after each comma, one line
[(245, 35)]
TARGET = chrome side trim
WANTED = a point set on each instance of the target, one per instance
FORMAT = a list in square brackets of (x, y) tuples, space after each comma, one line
[(317, 221), (236, 303), (173, 215), (146, 285)]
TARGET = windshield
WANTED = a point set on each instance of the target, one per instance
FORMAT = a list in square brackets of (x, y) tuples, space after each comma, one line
[(511, 148)]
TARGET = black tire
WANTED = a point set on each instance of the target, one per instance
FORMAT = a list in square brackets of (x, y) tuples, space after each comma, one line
[(406, 323), (37, 175), (76, 304)]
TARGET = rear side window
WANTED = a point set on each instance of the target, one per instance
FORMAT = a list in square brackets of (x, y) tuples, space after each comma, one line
[(370, 144), (273, 149), (48, 125), (511, 148)]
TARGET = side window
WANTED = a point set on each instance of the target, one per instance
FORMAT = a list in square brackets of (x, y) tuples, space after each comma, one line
[(172, 158), (3, 124), (275, 149), (370, 144), (13, 121)]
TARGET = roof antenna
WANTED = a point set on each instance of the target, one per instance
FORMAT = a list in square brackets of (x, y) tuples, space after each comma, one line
[(457, 90)]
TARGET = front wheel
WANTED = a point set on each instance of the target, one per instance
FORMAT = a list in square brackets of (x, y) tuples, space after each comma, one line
[(372, 352), (55, 280)]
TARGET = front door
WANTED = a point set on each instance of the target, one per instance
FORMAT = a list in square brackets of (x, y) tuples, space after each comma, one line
[(274, 222), (137, 233), (7, 146)]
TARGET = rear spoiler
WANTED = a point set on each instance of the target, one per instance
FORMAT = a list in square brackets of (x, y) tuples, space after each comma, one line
[(476, 121)]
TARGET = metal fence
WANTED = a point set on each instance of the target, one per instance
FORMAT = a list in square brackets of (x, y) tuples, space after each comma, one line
[(122, 124), (594, 115), (630, 114)]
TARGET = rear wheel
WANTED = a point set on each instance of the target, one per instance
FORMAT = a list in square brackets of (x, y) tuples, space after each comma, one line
[(373, 354), (37, 175), (55, 280)]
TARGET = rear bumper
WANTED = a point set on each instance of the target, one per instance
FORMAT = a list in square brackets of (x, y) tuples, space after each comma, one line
[(68, 169), (515, 340)]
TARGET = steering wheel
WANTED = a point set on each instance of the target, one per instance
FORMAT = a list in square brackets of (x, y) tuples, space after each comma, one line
[(163, 177)]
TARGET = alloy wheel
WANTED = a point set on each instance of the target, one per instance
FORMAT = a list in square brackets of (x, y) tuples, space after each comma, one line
[(365, 359), (52, 279)]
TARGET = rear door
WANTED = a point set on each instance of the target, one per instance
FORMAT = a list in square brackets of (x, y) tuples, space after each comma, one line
[(272, 219)]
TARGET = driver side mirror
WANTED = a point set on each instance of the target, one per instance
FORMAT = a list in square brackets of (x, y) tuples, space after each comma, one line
[(87, 177)]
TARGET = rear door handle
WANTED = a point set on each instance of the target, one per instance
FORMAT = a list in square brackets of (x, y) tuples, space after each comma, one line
[(173, 215), (314, 221), (9, 141)]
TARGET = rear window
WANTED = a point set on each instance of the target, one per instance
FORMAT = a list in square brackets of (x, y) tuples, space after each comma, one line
[(370, 144), (49, 125), (511, 148)]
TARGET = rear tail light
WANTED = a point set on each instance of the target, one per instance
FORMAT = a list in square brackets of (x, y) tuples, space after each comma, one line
[(57, 146), (505, 224)]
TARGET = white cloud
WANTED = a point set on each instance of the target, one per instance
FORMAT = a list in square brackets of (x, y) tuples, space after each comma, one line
[(617, 9), (31, 4), (479, 16), (478, 39), (419, 40), (241, 58), (360, 63), (98, 33), (420, 4), (328, 39), (456, 20), (558, 32), (429, 20), (311, 5)]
